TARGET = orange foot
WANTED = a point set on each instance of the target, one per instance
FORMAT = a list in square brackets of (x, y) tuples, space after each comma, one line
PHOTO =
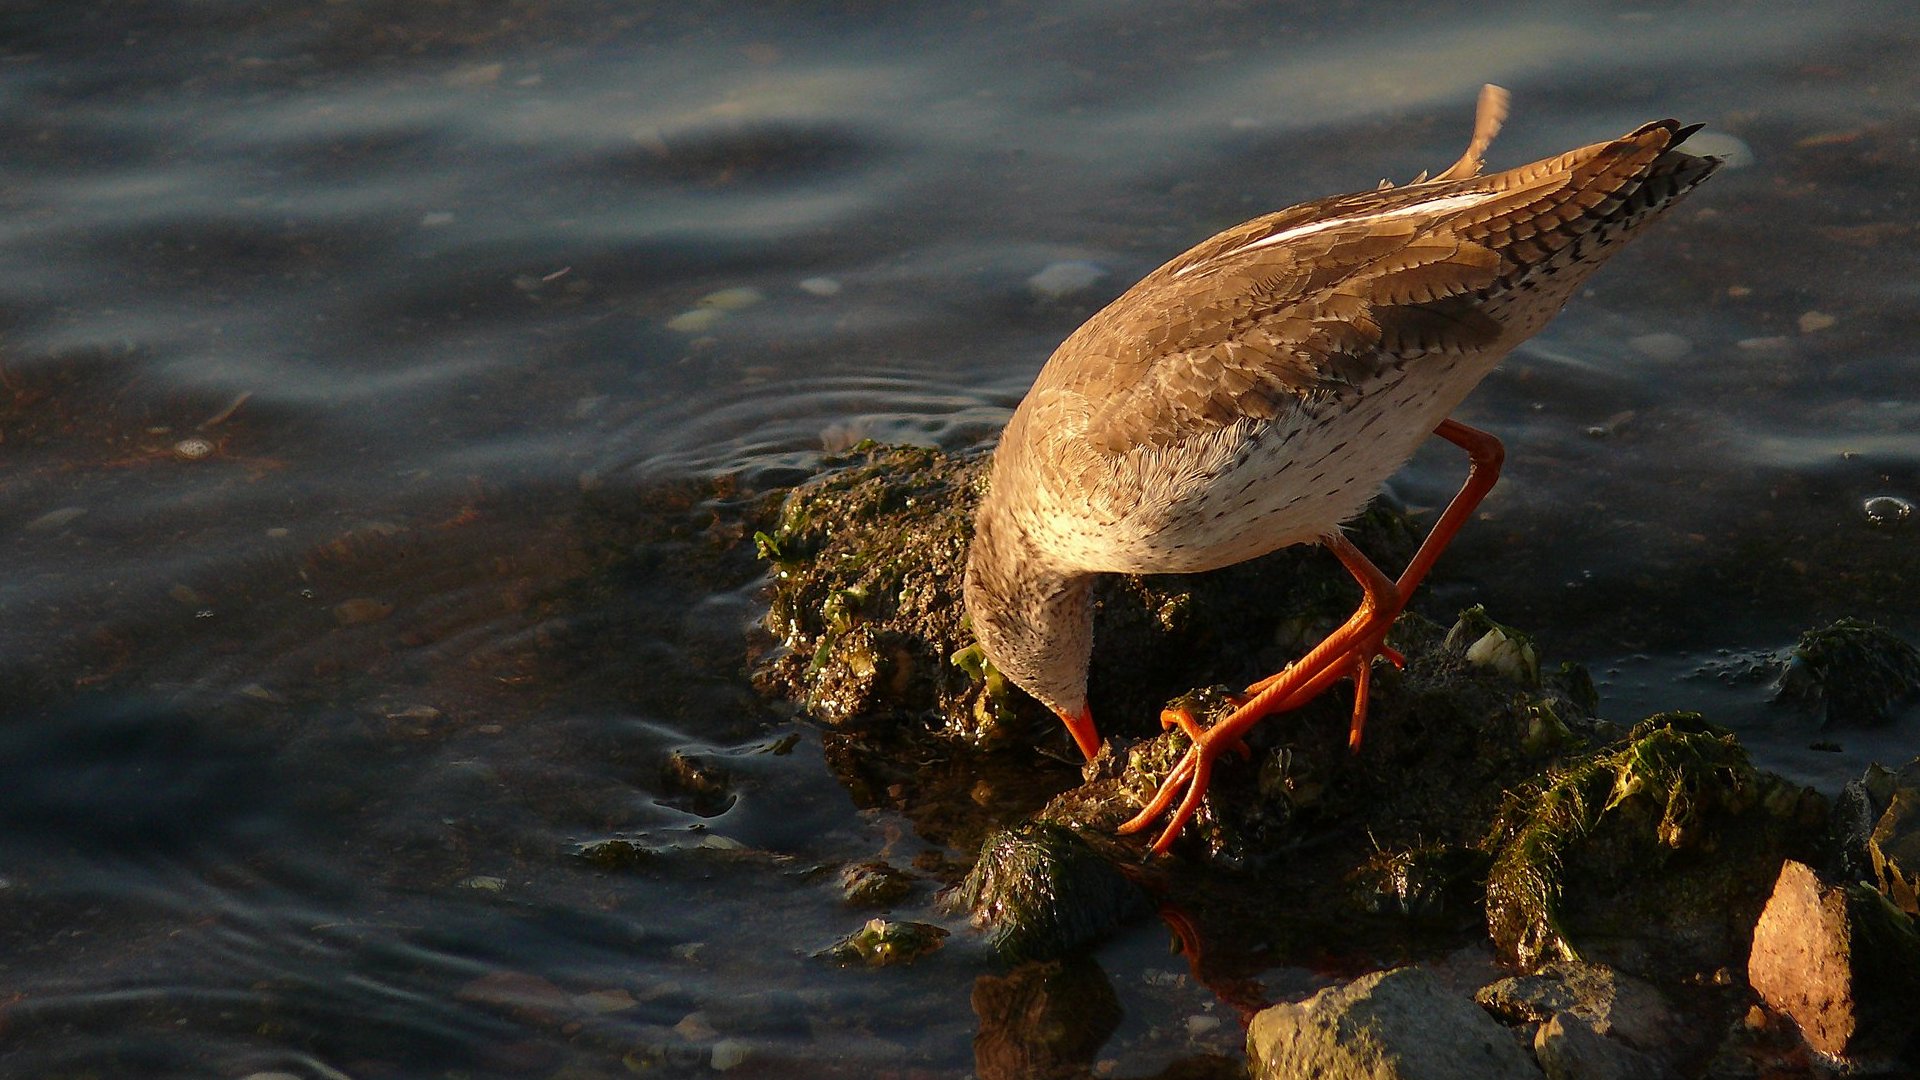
[(1347, 651)]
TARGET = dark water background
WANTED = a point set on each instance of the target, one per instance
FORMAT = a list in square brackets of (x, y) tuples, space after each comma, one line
[(358, 361)]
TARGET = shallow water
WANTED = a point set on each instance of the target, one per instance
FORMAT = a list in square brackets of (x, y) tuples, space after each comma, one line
[(358, 364)]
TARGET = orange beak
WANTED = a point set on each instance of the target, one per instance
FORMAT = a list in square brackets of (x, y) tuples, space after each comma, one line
[(1085, 735)]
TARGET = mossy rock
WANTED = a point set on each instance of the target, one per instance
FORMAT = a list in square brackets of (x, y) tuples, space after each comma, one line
[(1852, 673), (1655, 852), (1040, 891)]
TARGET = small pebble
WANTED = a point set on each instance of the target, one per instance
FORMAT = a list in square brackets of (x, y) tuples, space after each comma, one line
[(820, 286), (694, 1027), (696, 321), (1201, 1025), (1766, 346), (727, 1053), (1887, 511), (1063, 279), (1730, 149), (53, 519), (195, 449), (1661, 346), (732, 299), (1813, 321), (485, 883), (605, 1001), (361, 609)]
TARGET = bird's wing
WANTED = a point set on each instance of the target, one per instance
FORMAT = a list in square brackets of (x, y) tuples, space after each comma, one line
[(1327, 294)]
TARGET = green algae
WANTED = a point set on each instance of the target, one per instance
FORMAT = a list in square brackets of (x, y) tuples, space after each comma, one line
[(1851, 672), (884, 943), (1039, 891), (1670, 835)]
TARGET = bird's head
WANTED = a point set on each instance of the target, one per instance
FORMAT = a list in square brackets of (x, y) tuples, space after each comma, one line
[(1034, 623)]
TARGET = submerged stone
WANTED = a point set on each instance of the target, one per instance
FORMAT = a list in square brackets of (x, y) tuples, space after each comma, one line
[(874, 884), (1851, 673), (884, 942)]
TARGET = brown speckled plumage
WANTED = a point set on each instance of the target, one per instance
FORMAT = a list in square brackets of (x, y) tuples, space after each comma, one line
[(1255, 391)]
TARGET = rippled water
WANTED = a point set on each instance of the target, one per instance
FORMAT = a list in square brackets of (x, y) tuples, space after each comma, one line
[(357, 362)]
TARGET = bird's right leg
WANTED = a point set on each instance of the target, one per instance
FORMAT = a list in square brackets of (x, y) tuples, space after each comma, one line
[(1342, 653)]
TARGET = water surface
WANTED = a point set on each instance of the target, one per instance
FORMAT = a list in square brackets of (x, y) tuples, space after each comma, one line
[(365, 370)]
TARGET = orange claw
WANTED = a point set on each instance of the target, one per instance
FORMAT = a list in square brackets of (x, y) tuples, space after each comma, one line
[(1349, 650), (1180, 716)]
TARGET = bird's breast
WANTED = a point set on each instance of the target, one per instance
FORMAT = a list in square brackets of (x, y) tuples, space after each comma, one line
[(1250, 487)]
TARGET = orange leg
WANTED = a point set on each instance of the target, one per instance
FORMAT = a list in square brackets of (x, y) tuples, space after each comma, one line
[(1349, 650), (1328, 662)]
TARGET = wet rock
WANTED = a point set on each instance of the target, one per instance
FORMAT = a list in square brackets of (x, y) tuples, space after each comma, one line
[(1654, 854), (616, 854), (1841, 962), (1430, 883), (1392, 1025), (1886, 511), (1057, 281), (1605, 1001), (1663, 346), (1851, 673), (524, 995), (728, 1053), (1045, 1018), (883, 943), (1489, 644), (1812, 322), (690, 783), (1040, 891), (1569, 1049), (54, 519), (865, 602), (874, 884), (1893, 847), (361, 610)]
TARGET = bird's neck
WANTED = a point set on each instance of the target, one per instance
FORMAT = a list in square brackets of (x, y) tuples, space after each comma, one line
[(1034, 620)]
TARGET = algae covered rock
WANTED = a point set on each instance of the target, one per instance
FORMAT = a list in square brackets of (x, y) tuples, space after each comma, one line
[(1852, 673), (1653, 852), (885, 942), (867, 564), (1040, 891)]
